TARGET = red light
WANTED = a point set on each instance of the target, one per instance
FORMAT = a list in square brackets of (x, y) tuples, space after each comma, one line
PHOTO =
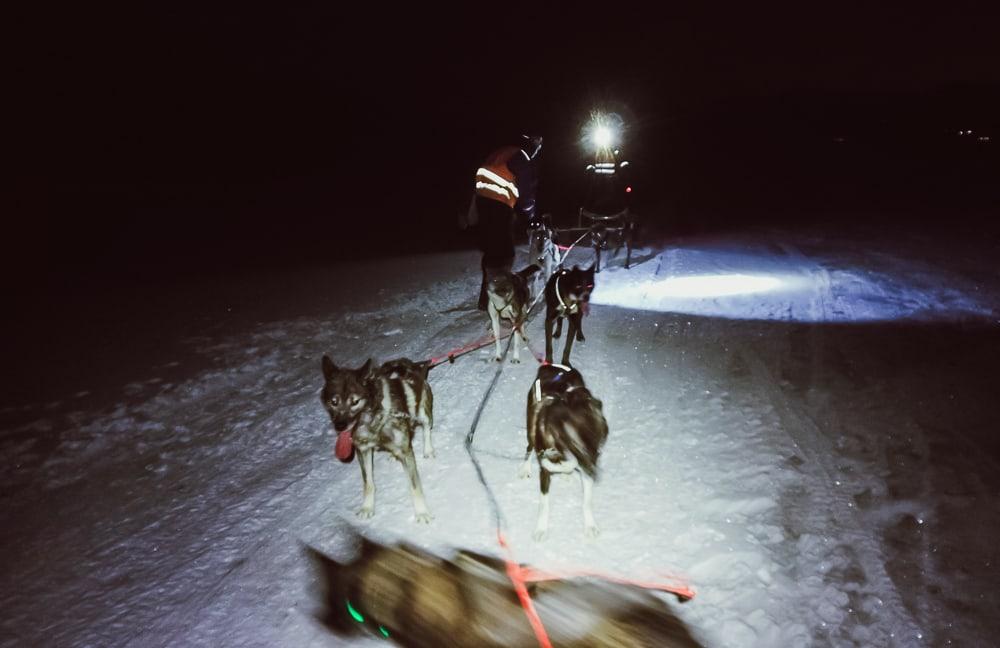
[(628, 189)]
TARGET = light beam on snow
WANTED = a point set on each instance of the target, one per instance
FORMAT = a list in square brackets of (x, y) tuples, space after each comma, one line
[(711, 286), (786, 285), (725, 294)]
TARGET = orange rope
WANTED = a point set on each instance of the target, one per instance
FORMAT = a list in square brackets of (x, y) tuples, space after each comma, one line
[(516, 574), (462, 350), (521, 574), (532, 575)]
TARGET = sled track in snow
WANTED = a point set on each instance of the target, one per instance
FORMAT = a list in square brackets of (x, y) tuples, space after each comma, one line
[(211, 591), (803, 432)]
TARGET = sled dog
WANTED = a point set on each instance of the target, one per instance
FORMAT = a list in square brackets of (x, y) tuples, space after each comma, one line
[(567, 294), (566, 430), (379, 409), (509, 299), (420, 600)]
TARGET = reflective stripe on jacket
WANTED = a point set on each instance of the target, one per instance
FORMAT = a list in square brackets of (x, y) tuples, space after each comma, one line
[(495, 180)]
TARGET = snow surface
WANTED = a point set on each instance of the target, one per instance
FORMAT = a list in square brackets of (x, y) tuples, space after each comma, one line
[(812, 484)]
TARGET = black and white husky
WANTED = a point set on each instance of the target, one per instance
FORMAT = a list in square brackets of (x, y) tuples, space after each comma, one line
[(509, 299), (567, 294), (379, 409), (566, 430)]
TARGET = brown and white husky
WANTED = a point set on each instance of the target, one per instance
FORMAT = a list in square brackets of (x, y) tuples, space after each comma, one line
[(380, 409)]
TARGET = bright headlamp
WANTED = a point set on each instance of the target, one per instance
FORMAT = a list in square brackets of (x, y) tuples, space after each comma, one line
[(603, 132), (602, 137)]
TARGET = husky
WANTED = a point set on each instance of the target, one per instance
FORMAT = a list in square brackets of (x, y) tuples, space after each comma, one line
[(567, 294), (542, 249), (509, 299), (379, 409), (411, 371), (421, 600), (566, 430)]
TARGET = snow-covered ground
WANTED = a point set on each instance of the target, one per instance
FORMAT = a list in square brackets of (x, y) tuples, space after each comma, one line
[(801, 428)]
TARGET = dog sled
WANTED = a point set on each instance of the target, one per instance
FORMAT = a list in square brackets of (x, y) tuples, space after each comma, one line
[(605, 234)]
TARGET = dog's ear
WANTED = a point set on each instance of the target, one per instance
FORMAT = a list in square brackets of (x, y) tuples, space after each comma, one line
[(425, 367), (328, 367), (365, 371), (590, 270)]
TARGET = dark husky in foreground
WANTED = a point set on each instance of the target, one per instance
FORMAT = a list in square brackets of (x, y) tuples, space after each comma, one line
[(420, 600), (379, 409), (566, 429), (509, 299), (567, 294)]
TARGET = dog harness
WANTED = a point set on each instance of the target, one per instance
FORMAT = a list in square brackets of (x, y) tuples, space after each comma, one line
[(570, 309), (538, 381)]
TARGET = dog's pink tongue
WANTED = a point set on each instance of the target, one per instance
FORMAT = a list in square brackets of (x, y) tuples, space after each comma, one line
[(344, 448)]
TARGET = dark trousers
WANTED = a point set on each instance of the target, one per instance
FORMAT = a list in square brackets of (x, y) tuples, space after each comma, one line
[(496, 240)]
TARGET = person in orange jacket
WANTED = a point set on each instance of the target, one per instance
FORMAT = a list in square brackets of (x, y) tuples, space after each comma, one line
[(507, 180)]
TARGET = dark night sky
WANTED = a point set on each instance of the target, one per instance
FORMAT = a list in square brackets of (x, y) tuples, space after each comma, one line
[(156, 128)]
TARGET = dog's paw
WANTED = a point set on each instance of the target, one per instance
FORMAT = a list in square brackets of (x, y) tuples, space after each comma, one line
[(429, 453), (497, 359), (524, 472), (515, 361), (424, 518), (580, 338), (591, 531), (366, 512), (540, 535)]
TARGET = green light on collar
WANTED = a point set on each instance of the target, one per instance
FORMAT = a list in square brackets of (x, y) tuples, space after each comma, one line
[(354, 613), (385, 633)]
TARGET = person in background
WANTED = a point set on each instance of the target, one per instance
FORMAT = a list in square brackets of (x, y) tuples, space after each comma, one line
[(608, 183), (506, 181)]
